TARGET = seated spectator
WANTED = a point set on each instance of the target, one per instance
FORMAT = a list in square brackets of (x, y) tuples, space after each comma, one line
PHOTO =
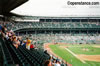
[(57, 63), (4, 29), (31, 46), (7, 37), (24, 44), (19, 39), (15, 42), (0, 27), (48, 63)]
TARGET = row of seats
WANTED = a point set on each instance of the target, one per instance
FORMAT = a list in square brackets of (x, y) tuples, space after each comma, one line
[(54, 25), (66, 38), (6, 54), (21, 56)]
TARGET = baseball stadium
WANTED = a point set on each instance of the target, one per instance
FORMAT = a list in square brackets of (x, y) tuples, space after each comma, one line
[(47, 40)]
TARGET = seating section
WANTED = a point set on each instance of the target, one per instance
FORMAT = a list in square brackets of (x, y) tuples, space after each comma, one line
[(55, 25), (21, 56), (65, 38), (7, 56)]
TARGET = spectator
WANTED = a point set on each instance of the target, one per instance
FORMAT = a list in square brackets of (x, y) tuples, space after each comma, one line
[(24, 44), (15, 42), (19, 39), (28, 43), (4, 29), (3, 32), (48, 63), (53, 62), (31, 46), (57, 63), (0, 27), (7, 37)]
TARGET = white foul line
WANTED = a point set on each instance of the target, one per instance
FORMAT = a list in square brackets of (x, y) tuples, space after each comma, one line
[(75, 55)]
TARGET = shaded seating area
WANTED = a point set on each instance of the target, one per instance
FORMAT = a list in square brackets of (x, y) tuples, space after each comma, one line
[(21, 56), (22, 25)]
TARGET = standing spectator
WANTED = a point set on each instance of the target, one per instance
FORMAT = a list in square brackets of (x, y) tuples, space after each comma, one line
[(28, 43)]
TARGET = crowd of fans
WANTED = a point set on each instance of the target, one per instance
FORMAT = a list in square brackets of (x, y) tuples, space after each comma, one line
[(16, 40), (66, 38), (55, 62), (21, 25)]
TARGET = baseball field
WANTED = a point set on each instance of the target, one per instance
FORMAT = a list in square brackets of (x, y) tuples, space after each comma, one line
[(78, 55)]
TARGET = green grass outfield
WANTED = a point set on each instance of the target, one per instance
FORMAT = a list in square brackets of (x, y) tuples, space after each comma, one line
[(77, 49)]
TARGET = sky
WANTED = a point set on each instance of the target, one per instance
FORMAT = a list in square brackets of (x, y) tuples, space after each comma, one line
[(56, 8)]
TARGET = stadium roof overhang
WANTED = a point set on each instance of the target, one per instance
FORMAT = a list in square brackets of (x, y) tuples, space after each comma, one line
[(59, 17), (7, 5)]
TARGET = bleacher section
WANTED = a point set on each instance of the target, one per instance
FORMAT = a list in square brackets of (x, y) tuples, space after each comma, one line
[(66, 38), (60, 25), (21, 56)]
